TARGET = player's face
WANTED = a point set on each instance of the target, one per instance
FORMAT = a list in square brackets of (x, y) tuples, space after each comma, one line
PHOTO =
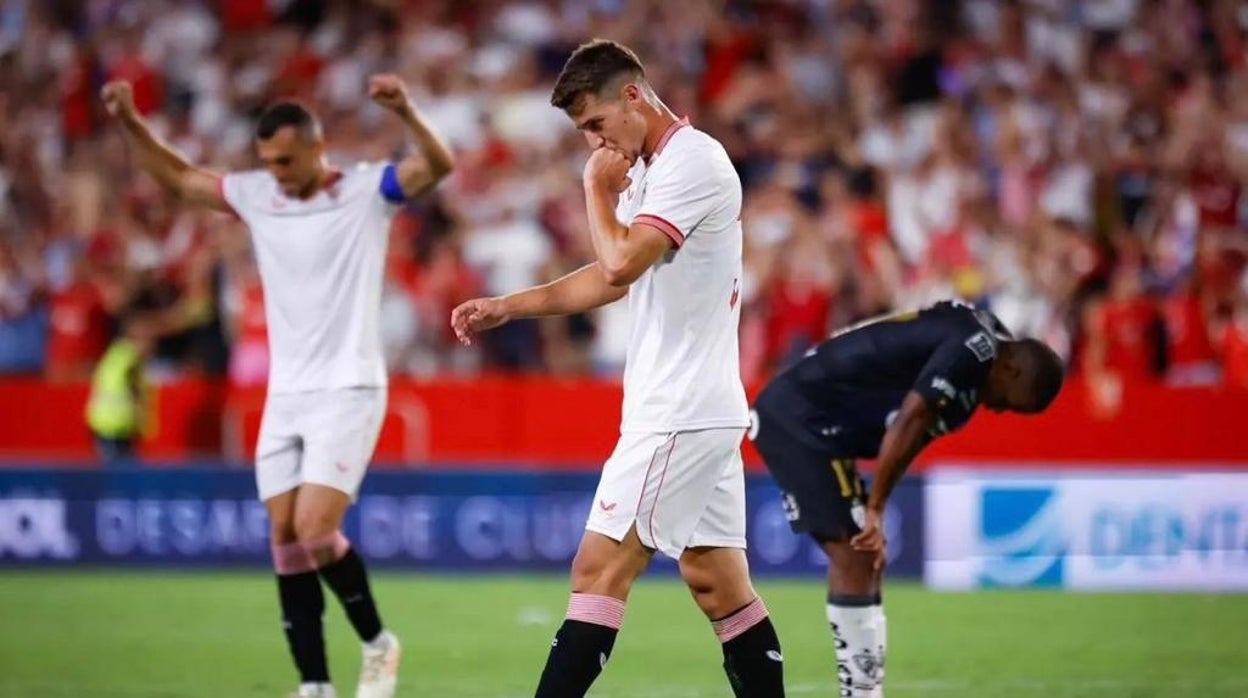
[(294, 160), (1010, 389), (615, 122)]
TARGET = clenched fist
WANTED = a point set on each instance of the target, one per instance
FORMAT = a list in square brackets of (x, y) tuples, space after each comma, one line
[(389, 91), (118, 97), (608, 169)]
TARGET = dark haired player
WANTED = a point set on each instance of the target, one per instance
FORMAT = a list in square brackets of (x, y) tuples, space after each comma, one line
[(319, 236), (883, 389)]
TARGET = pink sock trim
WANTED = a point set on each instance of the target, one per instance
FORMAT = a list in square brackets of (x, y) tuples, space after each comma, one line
[(599, 610), (292, 558), (335, 542), (729, 628)]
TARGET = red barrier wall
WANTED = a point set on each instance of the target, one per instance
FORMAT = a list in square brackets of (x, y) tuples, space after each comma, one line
[(573, 423)]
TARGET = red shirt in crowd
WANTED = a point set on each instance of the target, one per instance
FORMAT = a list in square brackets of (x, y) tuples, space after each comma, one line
[(1187, 333), (1126, 326), (149, 94), (1235, 352), (797, 317), (78, 329)]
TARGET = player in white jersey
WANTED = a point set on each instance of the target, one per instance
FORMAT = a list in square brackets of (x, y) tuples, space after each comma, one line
[(320, 237), (664, 208)]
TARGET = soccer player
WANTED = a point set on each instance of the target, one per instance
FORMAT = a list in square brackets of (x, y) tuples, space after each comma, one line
[(320, 237), (664, 207), (884, 388)]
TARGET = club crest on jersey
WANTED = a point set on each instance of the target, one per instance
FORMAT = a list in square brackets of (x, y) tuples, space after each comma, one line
[(983, 346)]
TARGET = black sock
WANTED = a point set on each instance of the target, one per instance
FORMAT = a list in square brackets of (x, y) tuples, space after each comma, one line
[(577, 657), (349, 581), (302, 606), (753, 662)]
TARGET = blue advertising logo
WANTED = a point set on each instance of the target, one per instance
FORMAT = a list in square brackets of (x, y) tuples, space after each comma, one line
[(1022, 538)]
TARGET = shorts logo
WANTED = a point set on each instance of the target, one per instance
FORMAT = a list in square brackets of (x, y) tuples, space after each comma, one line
[(342, 467), (602, 504), (983, 346), (791, 511), (1021, 537)]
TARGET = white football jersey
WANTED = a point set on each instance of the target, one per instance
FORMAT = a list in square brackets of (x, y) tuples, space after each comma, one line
[(683, 370), (321, 263)]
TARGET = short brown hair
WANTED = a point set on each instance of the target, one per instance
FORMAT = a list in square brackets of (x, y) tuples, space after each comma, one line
[(591, 68)]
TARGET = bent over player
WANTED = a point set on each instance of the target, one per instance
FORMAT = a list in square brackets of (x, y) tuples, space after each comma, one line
[(664, 208), (320, 238), (884, 388)]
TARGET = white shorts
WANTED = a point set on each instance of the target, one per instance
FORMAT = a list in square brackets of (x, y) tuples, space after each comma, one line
[(323, 438), (683, 490)]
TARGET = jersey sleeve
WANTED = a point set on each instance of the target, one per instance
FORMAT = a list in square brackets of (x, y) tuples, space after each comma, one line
[(234, 188), (951, 379), (679, 194)]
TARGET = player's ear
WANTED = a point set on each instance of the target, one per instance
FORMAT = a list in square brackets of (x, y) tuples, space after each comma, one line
[(631, 92)]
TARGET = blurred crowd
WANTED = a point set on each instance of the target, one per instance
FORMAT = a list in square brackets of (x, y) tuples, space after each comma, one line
[(1077, 166)]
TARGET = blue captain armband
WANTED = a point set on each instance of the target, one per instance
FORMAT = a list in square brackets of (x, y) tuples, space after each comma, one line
[(390, 188)]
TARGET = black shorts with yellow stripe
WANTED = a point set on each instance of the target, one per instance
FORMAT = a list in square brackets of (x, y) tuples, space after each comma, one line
[(823, 494)]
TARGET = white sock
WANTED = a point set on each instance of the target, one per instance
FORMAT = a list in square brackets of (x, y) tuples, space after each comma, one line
[(881, 634), (316, 689), (859, 634)]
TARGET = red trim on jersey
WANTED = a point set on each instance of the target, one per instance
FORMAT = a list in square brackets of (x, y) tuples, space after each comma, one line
[(662, 225), (221, 193), (667, 136)]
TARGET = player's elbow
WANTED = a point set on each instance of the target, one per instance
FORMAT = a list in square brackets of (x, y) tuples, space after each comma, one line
[(620, 274), (916, 411), (442, 166)]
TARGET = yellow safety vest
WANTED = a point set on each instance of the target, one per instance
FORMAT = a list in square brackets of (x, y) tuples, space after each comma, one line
[(114, 411)]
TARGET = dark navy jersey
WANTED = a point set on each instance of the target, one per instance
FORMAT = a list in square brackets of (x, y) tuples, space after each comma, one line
[(854, 382)]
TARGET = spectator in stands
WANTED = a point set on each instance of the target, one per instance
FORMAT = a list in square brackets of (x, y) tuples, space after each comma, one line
[(1009, 147)]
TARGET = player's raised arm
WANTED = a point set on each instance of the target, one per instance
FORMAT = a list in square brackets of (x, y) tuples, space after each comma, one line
[(624, 252), (192, 184), (584, 289), (419, 171)]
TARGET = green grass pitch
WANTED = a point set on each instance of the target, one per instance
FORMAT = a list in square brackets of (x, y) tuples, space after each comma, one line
[(209, 635)]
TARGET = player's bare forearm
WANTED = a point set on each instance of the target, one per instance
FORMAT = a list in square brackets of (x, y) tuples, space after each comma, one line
[(578, 292), (422, 170), (623, 253), (189, 183), (902, 442)]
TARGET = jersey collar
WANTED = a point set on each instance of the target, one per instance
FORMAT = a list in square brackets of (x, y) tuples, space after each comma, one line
[(667, 136)]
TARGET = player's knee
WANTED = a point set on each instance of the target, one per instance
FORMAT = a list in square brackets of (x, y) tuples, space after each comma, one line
[(313, 524), (611, 576), (719, 586), (282, 532), (698, 578), (851, 571), (584, 572)]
